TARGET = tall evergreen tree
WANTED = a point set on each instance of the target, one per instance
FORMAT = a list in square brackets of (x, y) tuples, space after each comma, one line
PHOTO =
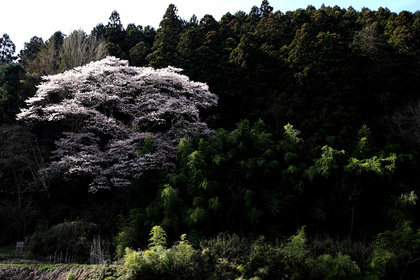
[(7, 50), (15, 86), (30, 50), (115, 36), (265, 8), (167, 38)]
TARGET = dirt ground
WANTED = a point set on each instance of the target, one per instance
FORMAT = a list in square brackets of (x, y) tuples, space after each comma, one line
[(21, 269), (31, 272)]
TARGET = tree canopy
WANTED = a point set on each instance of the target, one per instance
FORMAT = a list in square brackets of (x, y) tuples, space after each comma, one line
[(118, 120)]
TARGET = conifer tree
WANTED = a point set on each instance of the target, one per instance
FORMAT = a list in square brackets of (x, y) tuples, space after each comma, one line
[(7, 50), (167, 38)]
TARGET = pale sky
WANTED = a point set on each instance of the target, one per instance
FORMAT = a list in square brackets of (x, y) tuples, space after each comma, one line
[(23, 19)]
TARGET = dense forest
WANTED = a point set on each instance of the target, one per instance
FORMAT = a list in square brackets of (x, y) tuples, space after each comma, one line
[(294, 133)]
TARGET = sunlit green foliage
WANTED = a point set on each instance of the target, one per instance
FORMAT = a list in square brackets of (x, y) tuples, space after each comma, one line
[(328, 267), (159, 262)]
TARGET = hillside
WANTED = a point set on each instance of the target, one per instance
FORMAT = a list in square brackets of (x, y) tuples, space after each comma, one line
[(262, 124)]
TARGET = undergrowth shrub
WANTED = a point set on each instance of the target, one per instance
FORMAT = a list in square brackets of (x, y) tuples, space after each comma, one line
[(68, 238), (228, 256), (71, 276), (359, 250), (159, 262), (326, 267), (123, 240), (265, 261), (226, 252), (259, 259), (383, 262), (183, 255), (294, 253), (240, 258), (396, 252), (229, 246)]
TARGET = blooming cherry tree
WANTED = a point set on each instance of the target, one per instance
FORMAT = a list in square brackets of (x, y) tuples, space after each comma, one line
[(118, 120)]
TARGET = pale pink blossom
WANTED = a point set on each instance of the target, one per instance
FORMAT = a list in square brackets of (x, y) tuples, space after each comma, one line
[(112, 107)]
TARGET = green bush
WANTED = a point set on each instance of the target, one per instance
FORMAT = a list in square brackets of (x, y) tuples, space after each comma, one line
[(383, 261), (225, 253), (294, 253), (394, 247), (183, 255), (149, 264), (71, 276), (359, 250), (326, 267), (228, 246), (68, 238), (158, 262), (228, 256), (123, 240)]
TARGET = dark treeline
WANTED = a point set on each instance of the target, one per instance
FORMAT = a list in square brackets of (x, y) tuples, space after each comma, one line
[(318, 125)]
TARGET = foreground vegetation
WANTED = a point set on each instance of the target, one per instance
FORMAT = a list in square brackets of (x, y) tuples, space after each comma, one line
[(315, 135), (233, 257), (229, 256)]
